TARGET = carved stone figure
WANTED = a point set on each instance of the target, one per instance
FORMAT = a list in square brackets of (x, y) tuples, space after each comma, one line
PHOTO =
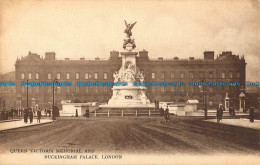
[(129, 43), (128, 29), (116, 77), (141, 76)]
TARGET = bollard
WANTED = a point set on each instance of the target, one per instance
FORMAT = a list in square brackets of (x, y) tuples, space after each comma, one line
[(136, 113), (122, 113), (108, 113), (149, 112)]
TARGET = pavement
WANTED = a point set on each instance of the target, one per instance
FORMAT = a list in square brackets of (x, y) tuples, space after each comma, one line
[(135, 135), (20, 123), (241, 122)]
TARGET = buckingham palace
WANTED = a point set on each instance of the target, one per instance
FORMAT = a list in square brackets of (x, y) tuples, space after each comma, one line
[(225, 67)]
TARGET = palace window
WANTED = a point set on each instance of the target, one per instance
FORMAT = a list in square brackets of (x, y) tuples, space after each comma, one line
[(191, 89), (105, 76), (68, 76), (77, 76), (162, 75), (182, 75), (105, 89), (86, 76), (182, 89), (210, 75), (201, 74), (153, 89), (172, 88), (230, 75), (68, 89), (22, 76), (172, 75), (37, 89), (223, 75), (153, 75), (37, 76), (191, 75), (86, 89), (238, 75), (162, 89), (29, 76), (58, 76), (95, 75), (22, 89), (49, 76)]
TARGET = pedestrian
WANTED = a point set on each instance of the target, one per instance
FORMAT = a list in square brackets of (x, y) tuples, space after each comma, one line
[(221, 111), (39, 114), (87, 113), (49, 112), (31, 115), (55, 113), (218, 113), (161, 112), (25, 115), (76, 113), (252, 114), (231, 110), (166, 114)]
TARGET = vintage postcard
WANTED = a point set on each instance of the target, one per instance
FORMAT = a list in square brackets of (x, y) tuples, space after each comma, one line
[(129, 82)]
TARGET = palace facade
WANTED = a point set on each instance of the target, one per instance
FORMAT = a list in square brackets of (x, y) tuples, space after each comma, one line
[(226, 67)]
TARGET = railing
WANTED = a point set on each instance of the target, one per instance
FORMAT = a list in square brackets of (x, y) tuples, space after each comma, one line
[(122, 113)]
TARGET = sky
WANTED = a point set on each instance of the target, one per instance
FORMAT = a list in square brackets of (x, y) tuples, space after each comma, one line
[(78, 28)]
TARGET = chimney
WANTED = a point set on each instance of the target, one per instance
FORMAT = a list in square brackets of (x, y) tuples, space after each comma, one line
[(50, 55), (114, 54), (176, 58), (209, 55), (191, 58), (160, 58)]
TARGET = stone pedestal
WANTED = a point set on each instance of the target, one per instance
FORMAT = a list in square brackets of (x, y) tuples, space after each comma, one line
[(227, 102), (242, 102), (129, 95)]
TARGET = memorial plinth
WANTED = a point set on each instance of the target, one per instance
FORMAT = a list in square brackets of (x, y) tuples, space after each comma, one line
[(129, 95)]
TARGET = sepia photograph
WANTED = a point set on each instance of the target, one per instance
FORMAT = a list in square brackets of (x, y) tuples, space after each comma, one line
[(129, 82)]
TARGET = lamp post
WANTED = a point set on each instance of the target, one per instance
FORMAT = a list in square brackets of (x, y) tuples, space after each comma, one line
[(203, 89), (54, 81), (27, 95)]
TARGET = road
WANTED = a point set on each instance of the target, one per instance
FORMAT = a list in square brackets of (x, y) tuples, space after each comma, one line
[(135, 135)]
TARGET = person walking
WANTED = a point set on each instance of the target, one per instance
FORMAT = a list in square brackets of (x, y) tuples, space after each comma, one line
[(77, 115), (218, 113), (221, 111), (166, 115), (55, 113), (252, 114), (161, 112), (25, 115), (31, 115), (39, 115), (87, 113)]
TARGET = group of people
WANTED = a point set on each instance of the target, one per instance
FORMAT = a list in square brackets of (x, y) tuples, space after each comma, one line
[(165, 112), (86, 114), (11, 113), (28, 113)]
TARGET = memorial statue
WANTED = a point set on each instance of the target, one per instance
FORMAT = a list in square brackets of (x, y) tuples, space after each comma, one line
[(128, 29), (129, 74), (129, 43)]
